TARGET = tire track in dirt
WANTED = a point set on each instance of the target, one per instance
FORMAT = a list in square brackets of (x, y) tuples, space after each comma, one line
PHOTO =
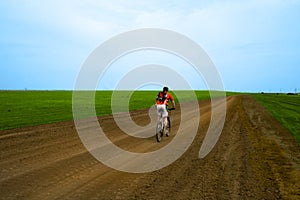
[(255, 158)]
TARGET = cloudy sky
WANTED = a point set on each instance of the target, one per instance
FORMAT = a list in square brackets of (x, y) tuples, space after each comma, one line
[(255, 45)]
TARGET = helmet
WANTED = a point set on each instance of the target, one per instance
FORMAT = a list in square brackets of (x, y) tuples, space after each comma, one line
[(165, 89)]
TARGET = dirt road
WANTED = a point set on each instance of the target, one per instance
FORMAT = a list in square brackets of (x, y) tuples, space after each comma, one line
[(255, 158)]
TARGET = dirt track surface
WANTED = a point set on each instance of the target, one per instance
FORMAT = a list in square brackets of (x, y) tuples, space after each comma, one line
[(255, 158)]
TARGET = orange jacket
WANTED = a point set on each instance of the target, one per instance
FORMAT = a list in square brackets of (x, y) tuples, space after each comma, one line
[(168, 97)]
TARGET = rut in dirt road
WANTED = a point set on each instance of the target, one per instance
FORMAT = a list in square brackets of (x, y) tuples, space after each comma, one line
[(255, 158)]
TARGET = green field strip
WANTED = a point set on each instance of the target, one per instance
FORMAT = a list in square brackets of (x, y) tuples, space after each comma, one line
[(285, 109), (28, 108)]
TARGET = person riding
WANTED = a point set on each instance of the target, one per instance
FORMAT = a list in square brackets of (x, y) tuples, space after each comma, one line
[(162, 102)]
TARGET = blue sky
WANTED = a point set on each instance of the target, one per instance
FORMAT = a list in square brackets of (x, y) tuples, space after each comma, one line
[(255, 45)]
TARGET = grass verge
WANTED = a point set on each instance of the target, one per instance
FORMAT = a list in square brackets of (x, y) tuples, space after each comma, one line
[(285, 108)]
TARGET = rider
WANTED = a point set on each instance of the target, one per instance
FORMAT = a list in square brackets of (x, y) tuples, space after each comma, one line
[(162, 102)]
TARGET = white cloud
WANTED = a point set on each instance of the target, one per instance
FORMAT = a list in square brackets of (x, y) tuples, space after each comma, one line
[(217, 20), (232, 32), (222, 22)]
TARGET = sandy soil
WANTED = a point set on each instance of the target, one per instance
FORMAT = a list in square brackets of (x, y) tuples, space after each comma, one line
[(255, 158)]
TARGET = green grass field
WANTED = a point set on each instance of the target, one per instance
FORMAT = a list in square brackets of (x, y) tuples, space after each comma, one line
[(29, 108), (285, 108)]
